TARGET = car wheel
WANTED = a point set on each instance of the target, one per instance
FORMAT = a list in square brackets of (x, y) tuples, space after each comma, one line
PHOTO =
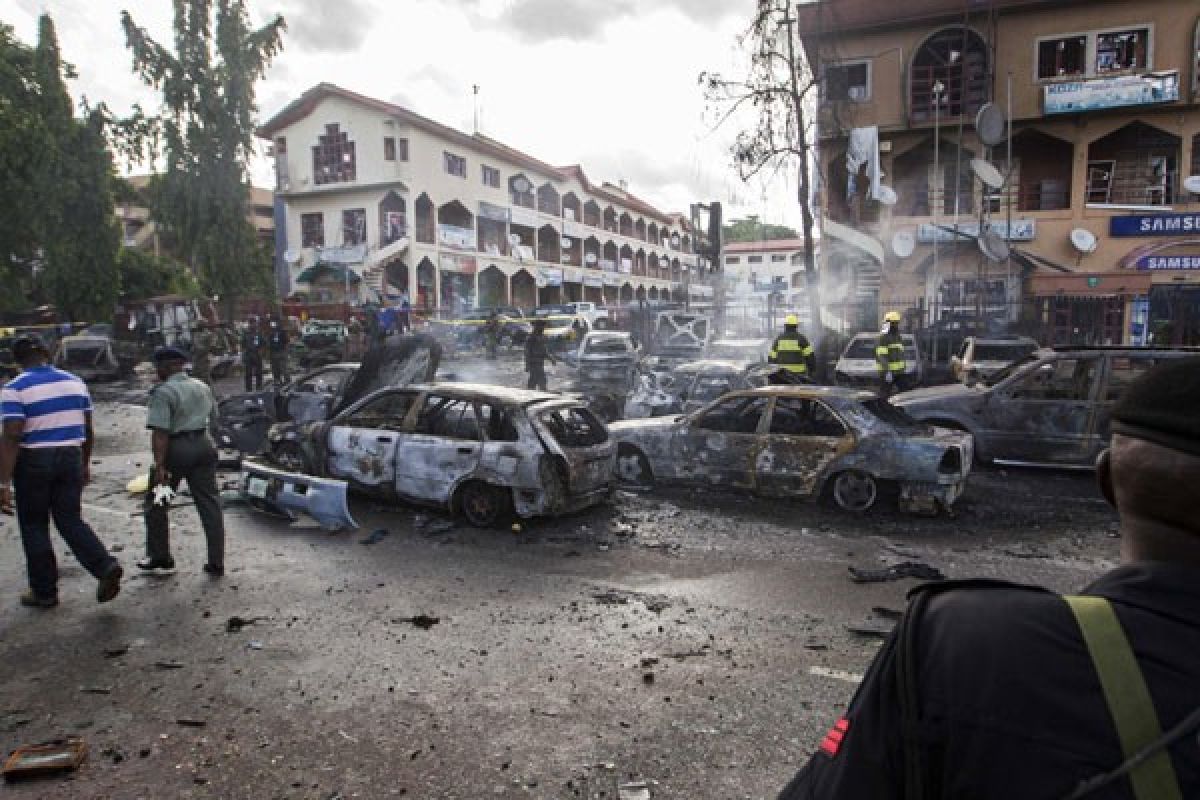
[(291, 457), (855, 491), (482, 504), (633, 468)]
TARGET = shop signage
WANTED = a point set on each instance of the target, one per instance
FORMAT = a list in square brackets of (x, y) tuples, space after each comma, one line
[(526, 217), (593, 281), (550, 277), (456, 237), (465, 265), (1128, 90), (346, 254), (1021, 230), (1168, 262), (490, 211), (1154, 225)]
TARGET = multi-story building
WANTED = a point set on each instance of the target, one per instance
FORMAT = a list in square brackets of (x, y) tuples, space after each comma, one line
[(1092, 202), (379, 200), (138, 228), (763, 281)]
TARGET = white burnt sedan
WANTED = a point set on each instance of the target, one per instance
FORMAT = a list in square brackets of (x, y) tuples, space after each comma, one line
[(484, 452)]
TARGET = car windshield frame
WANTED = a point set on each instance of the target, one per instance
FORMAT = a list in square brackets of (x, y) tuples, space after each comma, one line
[(894, 417), (1015, 368)]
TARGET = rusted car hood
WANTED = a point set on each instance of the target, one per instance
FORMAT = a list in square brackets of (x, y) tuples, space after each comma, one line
[(636, 427), (950, 393)]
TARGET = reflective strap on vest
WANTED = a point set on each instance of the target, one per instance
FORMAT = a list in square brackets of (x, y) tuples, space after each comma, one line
[(1127, 696)]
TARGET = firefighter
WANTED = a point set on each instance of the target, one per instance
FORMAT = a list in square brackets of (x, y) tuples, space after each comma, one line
[(792, 351), (889, 356)]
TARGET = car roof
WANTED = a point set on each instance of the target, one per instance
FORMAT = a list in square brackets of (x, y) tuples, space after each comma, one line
[(487, 391)]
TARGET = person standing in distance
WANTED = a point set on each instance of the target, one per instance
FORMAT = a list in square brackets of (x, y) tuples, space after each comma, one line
[(277, 342), (178, 417), (792, 351), (45, 457), (994, 691), (536, 354), (889, 356), (252, 348)]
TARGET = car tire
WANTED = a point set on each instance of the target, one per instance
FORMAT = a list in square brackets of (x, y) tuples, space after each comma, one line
[(482, 505), (290, 456), (855, 491), (633, 468)]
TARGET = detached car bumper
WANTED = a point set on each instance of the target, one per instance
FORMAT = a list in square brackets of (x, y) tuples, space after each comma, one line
[(287, 494)]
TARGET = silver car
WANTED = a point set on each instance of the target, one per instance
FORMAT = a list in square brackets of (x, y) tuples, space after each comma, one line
[(481, 451), (857, 366)]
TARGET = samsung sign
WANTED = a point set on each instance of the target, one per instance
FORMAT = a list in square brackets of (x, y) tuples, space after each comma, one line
[(1155, 225), (1169, 262)]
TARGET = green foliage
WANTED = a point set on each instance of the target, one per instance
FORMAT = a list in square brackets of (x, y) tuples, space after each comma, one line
[(205, 136), (21, 133), (144, 274), (751, 230)]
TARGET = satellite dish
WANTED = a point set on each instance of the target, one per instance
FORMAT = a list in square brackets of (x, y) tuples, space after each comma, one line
[(1192, 184), (887, 196), (990, 124), (903, 244), (1084, 240), (993, 246), (988, 175)]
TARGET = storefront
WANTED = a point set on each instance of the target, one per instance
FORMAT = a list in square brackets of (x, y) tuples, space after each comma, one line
[(549, 281), (1084, 308), (1171, 313), (457, 278)]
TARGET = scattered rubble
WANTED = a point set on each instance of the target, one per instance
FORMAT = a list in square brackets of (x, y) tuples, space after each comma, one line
[(905, 569)]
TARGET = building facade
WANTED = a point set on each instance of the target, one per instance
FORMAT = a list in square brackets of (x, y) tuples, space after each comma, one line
[(378, 200), (1092, 205), (138, 228)]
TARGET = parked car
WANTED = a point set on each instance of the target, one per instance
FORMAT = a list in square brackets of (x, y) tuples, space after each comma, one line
[(857, 366), (480, 451), (321, 342), (1051, 409), (596, 318), (800, 441), (745, 351), (605, 358), (979, 358), (94, 357)]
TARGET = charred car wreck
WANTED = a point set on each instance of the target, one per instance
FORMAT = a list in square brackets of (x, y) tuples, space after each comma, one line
[(804, 442), (484, 452)]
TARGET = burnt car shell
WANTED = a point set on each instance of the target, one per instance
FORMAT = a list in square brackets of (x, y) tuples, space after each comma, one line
[(851, 433)]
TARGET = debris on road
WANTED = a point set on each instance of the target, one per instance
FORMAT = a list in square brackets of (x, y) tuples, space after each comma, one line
[(377, 535), (48, 758), (96, 689), (422, 621), (637, 790), (188, 722), (1025, 552), (114, 652), (871, 629), (905, 569), (887, 613), (168, 665), (236, 623)]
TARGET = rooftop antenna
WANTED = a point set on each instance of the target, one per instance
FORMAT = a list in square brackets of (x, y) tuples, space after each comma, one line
[(475, 88)]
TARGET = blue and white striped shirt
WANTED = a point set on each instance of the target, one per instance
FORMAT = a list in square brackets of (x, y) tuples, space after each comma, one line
[(52, 403)]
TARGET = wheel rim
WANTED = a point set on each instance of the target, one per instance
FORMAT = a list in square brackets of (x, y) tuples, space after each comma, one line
[(480, 504), (631, 469), (855, 491)]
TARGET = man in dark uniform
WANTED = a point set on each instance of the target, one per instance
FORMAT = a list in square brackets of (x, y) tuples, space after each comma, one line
[(277, 343), (180, 411), (491, 335), (536, 354), (792, 351), (993, 691), (889, 356), (252, 349)]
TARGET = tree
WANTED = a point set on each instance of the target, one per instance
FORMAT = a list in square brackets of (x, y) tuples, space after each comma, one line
[(751, 229), (21, 136), (204, 135), (144, 274), (778, 86)]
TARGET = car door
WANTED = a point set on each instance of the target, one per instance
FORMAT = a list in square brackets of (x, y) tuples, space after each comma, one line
[(1045, 415), (312, 398), (1121, 370), (444, 446), (803, 436), (362, 442), (717, 445)]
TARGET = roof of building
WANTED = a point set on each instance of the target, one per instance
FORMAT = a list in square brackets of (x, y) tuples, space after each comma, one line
[(766, 246), (304, 105), (840, 16)]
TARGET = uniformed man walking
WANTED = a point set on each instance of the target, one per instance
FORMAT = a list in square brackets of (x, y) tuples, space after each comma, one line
[(792, 351), (252, 350), (277, 342), (178, 416), (889, 356), (536, 354), (993, 691)]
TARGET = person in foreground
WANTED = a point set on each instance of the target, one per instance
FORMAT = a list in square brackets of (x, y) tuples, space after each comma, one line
[(994, 690), (45, 456), (178, 417)]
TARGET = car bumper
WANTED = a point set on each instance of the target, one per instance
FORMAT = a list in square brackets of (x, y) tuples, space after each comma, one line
[(929, 498), (534, 503), (287, 494)]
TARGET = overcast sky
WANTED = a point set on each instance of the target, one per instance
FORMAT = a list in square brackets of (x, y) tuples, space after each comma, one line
[(609, 84)]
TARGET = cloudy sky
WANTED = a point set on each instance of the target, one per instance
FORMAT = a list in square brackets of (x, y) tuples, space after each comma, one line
[(609, 84)]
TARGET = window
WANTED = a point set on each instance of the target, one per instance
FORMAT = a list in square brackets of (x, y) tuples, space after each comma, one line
[(1118, 51), (389, 148), (333, 157), (402, 149), (491, 177), (497, 423), (1122, 371), (386, 412), (354, 226), (280, 146), (754, 260), (733, 259), (448, 417), (1061, 58), (849, 81), (735, 415), (778, 259), (312, 230), (456, 165), (799, 416), (575, 427), (1065, 379), (1100, 181)]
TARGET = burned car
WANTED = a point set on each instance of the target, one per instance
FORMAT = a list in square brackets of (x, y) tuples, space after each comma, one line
[(321, 342), (94, 357), (481, 451), (803, 442), (244, 419), (1051, 409), (692, 384), (604, 367)]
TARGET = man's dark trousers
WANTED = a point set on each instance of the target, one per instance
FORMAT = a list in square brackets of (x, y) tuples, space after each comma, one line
[(48, 482), (253, 372), (537, 377), (190, 457)]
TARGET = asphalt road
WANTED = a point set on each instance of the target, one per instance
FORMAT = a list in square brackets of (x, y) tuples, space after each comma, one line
[(693, 641)]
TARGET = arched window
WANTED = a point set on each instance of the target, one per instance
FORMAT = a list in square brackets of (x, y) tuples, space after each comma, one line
[(949, 73)]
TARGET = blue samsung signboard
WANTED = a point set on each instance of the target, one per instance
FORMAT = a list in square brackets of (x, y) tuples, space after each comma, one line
[(1168, 262), (1155, 225)]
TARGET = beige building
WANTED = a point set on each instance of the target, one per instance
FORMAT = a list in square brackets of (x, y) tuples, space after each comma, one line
[(139, 230), (1091, 197), (383, 201)]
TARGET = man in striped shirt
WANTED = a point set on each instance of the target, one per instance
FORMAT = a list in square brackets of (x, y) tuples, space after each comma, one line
[(45, 451)]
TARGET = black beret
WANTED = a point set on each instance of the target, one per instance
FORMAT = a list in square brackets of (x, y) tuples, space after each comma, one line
[(1163, 406), (164, 354)]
